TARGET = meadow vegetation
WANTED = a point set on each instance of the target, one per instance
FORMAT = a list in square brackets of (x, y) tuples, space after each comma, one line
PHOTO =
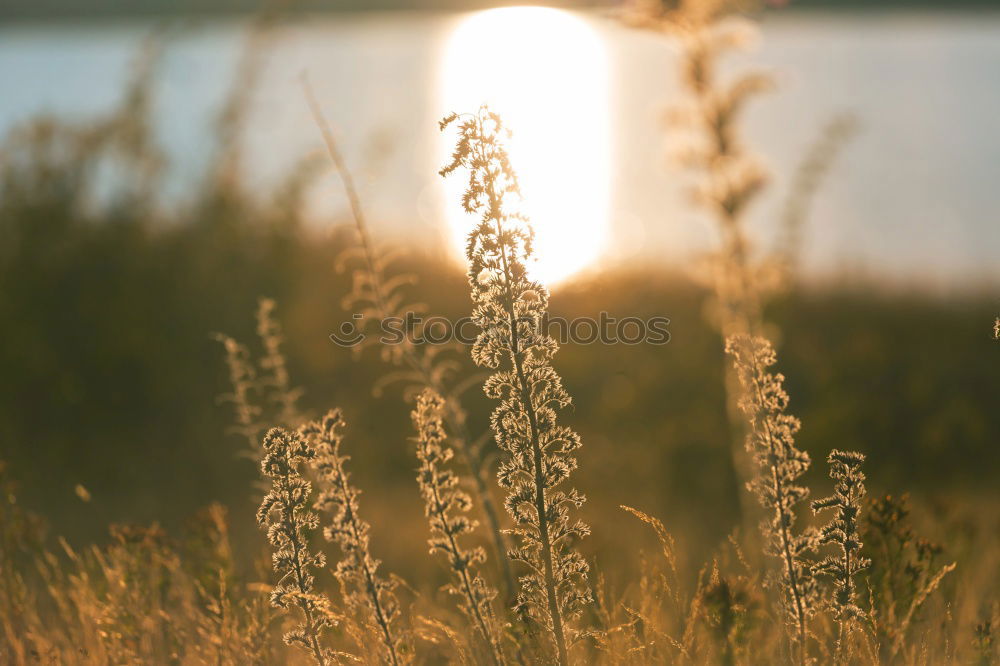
[(167, 369)]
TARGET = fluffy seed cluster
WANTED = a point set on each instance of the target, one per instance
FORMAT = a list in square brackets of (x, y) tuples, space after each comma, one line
[(286, 514), (445, 505), (364, 590), (771, 443), (540, 453)]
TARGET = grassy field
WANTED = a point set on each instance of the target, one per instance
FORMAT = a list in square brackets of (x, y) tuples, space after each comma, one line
[(130, 477)]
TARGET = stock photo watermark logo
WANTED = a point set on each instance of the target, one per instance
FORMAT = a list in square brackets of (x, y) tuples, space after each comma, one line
[(416, 329)]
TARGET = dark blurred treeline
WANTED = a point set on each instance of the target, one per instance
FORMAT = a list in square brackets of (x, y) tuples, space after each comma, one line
[(97, 9), (110, 377)]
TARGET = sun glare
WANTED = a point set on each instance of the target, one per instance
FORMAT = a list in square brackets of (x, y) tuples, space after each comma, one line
[(545, 71)]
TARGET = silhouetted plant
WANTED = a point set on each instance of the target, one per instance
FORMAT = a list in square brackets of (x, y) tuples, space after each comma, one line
[(274, 381), (732, 609), (771, 443), (286, 514), (905, 571), (985, 644), (445, 506), (842, 531), (369, 595), (378, 294), (508, 309)]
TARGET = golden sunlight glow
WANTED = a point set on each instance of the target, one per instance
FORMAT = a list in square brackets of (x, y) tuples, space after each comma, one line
[(545, 71)]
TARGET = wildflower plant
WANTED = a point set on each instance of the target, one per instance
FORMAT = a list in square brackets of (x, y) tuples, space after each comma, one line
[(260, 392), (903, 576), (446, 506), (508, 307), (842, 531), (727, 176), (771, 444), (243, 382), (274, 380), (731, 609), (378, 293), (367, 593), (288, 518)]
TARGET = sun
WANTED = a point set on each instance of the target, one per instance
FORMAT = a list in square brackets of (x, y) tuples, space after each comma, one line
[(545, 71)]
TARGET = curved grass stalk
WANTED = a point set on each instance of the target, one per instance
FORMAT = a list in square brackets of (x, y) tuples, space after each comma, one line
[(809, 176)]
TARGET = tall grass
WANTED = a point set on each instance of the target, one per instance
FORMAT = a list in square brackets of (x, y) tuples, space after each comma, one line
[(864, 588), (378, 294)]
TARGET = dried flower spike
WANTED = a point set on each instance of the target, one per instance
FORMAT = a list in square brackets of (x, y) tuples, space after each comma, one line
[(286, 514), (771, 443), (539, 451), (445, 505), (364, 590), (378, 293), (842, 530)]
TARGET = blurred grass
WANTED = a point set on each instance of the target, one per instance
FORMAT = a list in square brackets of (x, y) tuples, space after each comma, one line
[(111, 378)]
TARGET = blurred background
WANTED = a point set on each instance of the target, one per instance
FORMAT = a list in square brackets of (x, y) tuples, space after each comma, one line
[(160, 171)]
